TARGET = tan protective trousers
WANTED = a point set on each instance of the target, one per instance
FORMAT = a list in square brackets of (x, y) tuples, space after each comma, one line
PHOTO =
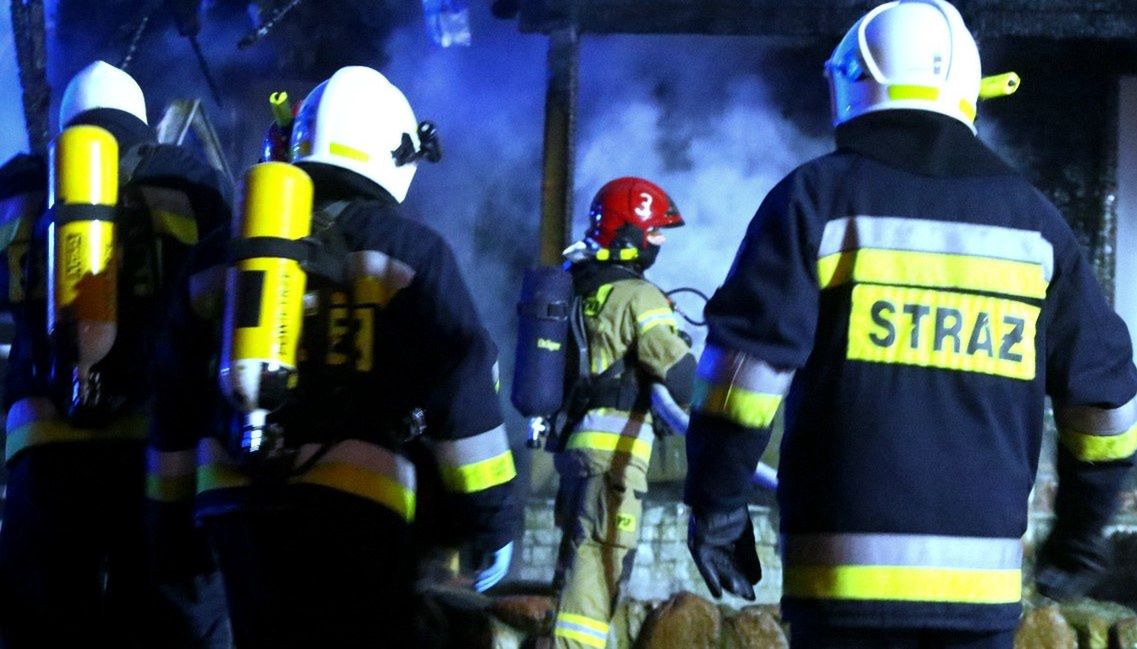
[(599, 516)]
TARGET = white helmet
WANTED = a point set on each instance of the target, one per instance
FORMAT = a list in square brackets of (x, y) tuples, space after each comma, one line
[(906, 54), (361, 122), (101, 85)]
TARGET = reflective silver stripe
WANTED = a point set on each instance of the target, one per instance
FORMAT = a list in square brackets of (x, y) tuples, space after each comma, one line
[(391, 274), (461, 452), (364, 455), (29, 410), (923, 235), (605, 420), (1096, 421), (723, 367), (959, 552), (169, 464)]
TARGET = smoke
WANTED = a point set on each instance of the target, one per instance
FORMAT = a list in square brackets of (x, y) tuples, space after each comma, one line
[(696, 115), (14, 137)]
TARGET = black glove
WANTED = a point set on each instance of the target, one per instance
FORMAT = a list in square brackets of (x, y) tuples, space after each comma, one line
[(1068, 566), (722, 545)]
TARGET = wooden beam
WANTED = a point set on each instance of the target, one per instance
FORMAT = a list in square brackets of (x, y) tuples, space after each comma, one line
[(560, 129), (31, 56), (1064, 19)]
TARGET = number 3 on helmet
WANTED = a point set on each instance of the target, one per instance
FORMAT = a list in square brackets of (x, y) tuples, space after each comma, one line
[(625, 211)]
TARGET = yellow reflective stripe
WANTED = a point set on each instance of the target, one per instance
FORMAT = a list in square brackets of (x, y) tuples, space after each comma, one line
[(907, 91), (366, 484), (179, 226), (968, 109), (739, 405), (479, 476), (349, 152), (51, 431), (377, 277), (903, 583), (935, 270), (901, 92), (624, 254), (1099, 448), (220, 475), (573, 634), (170, 489), (611, 442), (596, 625), (591, 632), (652, 318)]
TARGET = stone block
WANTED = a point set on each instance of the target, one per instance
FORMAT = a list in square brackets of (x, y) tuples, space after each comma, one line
[(1045, 628), (1092, 621), (530, 614), (686, 620), (753, 627)]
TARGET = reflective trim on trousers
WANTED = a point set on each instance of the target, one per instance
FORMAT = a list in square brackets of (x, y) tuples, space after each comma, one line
[(571, 626), (610, 430)]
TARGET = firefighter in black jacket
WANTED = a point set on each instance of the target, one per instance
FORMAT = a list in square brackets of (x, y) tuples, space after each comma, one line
[(307, 492), (73, 544), (917, 300)]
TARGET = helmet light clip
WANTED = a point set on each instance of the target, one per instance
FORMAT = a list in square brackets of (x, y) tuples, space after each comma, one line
[(429, 146)]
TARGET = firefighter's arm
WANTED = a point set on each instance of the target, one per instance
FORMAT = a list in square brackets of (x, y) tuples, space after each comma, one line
[(464, 422), (761, 327), (1092, 381), (660, 351), (185, 399)]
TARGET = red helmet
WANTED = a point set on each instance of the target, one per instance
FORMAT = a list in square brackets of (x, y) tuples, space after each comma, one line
[(626, 209)]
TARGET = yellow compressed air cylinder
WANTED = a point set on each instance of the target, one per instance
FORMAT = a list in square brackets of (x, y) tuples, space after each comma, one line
[(82, 265), (265, 293)]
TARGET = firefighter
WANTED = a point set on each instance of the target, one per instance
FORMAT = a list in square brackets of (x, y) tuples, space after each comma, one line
[(309, 503), (633, 342), (916, 299), (125, 211)]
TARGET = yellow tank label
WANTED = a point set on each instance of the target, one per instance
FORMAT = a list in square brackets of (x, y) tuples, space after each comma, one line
[(84, 167), (274, 335), (85, 274)]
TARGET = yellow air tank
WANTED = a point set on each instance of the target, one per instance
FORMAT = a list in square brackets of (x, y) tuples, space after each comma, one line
[(264, 296), (82, 290)]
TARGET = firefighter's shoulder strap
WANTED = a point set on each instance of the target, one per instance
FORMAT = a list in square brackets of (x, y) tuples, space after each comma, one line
[(584, 391), (327, 244)]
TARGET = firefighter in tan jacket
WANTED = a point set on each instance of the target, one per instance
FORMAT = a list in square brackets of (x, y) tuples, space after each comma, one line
[(633, 342)]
